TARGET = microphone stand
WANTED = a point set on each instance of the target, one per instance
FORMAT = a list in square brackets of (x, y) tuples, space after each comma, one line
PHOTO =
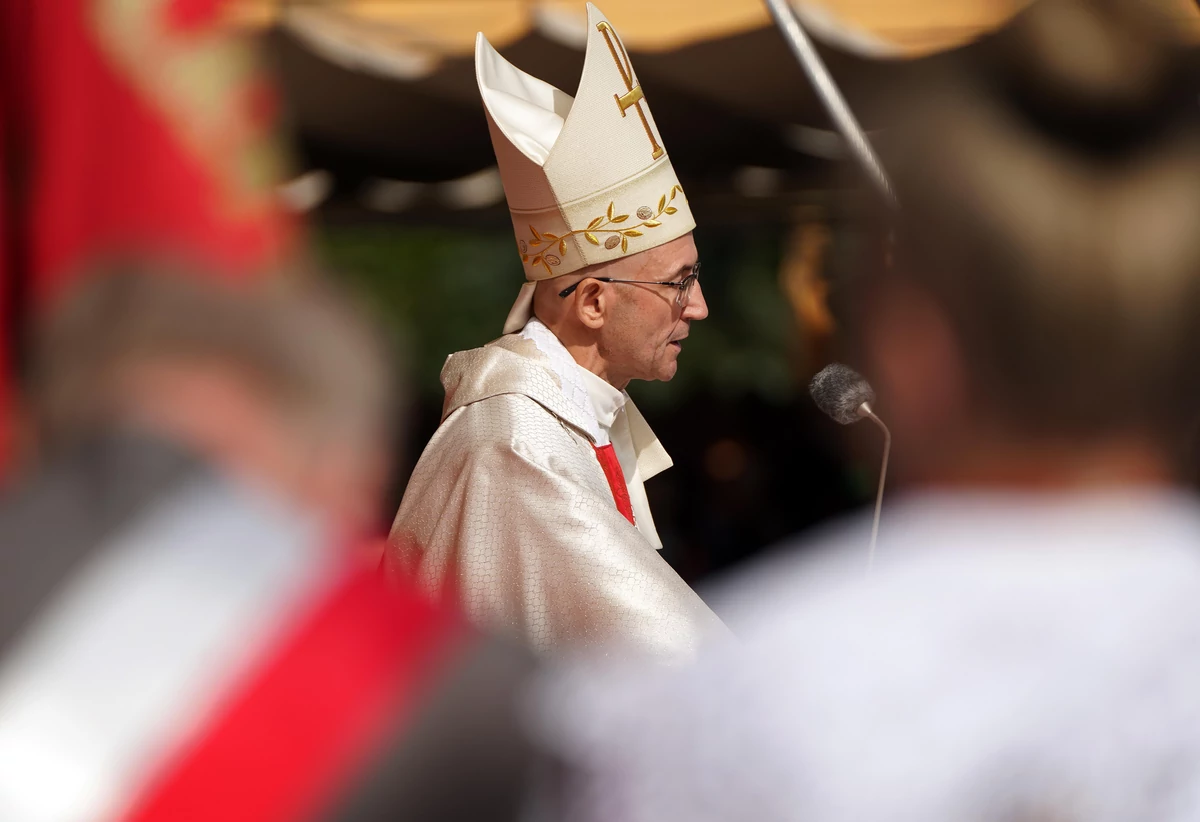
[(864, 410), (834, 101)]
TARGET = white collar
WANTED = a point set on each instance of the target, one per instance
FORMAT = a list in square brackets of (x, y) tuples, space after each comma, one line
[(606, 400), (570, 377), (651, 456)]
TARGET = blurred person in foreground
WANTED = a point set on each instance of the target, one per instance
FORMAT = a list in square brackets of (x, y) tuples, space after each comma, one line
[(528, 505), (127, 123), (1027, 647), (190, 625)]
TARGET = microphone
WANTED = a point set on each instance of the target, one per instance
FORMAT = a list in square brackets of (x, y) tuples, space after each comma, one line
[(844, 395), (841, 392)]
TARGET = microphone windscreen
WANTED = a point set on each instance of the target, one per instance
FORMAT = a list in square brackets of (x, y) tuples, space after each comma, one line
[(839, 391)]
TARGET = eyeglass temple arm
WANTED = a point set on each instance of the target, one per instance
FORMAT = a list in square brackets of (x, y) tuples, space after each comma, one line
[(681, 285)]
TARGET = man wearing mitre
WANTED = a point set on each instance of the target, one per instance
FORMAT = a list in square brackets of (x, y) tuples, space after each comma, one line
[(527, 506)]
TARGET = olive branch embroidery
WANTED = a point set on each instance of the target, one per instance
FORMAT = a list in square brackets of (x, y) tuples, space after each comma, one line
[(601, 225)]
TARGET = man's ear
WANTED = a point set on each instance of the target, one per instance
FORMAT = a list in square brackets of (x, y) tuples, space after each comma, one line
[(591, 303), (917, 364)]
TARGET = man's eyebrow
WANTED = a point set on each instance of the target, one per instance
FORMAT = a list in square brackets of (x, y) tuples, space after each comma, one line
[(683, 271)]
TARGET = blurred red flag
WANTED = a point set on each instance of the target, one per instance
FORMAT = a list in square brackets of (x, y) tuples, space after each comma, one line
[(127, 125)]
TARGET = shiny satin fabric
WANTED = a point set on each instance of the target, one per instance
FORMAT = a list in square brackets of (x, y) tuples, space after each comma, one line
[(509, 511)]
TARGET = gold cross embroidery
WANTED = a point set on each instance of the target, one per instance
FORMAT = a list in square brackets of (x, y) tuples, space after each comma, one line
[(633, 96)]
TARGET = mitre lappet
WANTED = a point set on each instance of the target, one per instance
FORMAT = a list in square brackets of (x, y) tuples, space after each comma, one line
[(587, 178)]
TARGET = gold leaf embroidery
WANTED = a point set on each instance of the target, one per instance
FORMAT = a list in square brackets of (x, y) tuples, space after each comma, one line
[(600, 225)]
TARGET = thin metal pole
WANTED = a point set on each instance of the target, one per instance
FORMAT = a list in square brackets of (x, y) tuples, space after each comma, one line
[(865, 410), (830, 95)]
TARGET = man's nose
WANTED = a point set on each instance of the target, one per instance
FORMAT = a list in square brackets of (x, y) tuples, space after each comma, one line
[(697, 308)]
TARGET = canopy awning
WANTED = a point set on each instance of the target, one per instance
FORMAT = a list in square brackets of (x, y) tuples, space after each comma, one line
[(382, 93)]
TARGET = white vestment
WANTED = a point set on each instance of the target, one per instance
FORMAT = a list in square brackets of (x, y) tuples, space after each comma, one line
[(510, 511)]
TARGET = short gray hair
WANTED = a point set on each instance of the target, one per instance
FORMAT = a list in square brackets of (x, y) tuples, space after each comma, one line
[(298, 340), (1054, 216)]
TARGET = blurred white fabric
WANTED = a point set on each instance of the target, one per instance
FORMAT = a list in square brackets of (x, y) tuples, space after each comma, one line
[(1010, 659)]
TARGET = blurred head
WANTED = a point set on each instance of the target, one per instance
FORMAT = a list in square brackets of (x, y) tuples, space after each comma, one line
[(282, 384), (1037, 292), (630, 330)]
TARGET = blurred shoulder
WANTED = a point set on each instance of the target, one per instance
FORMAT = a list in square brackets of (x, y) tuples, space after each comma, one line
[(973, 555)]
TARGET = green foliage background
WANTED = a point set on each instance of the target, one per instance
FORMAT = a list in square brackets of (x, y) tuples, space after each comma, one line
[(444, 290)]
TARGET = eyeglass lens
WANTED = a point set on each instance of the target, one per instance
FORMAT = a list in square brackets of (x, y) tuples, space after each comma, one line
[(685, 293)]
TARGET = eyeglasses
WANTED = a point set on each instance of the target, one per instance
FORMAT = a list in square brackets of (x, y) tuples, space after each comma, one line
[(684, 285)]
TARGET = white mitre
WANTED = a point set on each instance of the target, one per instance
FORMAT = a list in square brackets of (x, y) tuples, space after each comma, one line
[(587, 179)]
